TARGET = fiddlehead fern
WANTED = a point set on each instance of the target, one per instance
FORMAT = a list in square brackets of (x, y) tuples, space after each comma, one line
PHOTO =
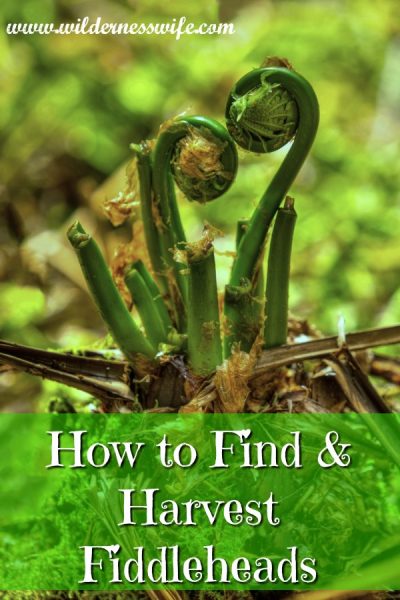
[(265, 110), (201, 156)]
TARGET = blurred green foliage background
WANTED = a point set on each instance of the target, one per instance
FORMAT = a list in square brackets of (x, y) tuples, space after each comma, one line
[(70, 106)]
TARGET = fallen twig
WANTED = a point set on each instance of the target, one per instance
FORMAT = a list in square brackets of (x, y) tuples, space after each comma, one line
[(107, 391), (107, 379), (360, 340), (78, 364)]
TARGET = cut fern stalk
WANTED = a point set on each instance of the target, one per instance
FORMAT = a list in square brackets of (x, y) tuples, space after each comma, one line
[(204, 338), (109, 302), (147, 309), (244, 305), (152, 235), (257, 282), (277, 289), (155, 295)]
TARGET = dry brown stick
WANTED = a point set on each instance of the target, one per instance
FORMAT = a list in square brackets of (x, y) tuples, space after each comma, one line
[(91, 366), (107, 380), (107, 391), (360, 340), (356, 386), (386, 367), (112, 369), (67, 368)]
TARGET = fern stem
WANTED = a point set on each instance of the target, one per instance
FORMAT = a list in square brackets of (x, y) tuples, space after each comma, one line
[(146, 307), (152, 235), (155, 294), (277, 290), (252, 243), (104, 292), (204, 339), (244, 306), (197, 185)]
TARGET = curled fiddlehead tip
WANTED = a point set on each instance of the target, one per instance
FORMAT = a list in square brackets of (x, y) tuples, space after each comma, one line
[(261, 114), (204, 161)]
